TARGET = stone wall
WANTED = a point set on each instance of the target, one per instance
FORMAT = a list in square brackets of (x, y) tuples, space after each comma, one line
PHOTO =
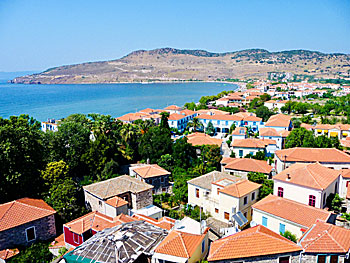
[(264, 259), (312, 258), (159, 185), (142, 199), (44, 229)]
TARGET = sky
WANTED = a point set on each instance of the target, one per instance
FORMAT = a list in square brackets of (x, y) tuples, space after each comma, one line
[(39, 34)]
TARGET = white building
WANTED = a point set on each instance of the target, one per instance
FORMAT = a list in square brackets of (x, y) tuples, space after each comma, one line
[(273, 134), (251, 146), (49, 125), (280, 122), (309, 184)]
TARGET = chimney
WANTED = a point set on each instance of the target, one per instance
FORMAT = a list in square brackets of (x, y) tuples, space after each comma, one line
[(147, 160), (288, 177)]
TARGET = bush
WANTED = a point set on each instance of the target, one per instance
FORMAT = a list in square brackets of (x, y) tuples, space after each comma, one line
[(38, 251), (290, 236)]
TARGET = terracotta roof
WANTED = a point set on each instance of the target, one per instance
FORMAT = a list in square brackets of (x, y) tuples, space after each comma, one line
[(214, 111), (116, 186), (96, 221), (219, 117), (240, 188), (152, 170), (345, 143), (132, 116), (187, 112), (268, 132), (252, 143), (313, 175), (244, 114), (296, 212), (149, 110), (326, 238), (116, 201), (226, 160), (22, 211), (203, 139), (249, 165), (327, 155), (176, 117), (164, 222), (58, 242), (348, 192), (240, 131), (307, 126), (284, 133), (173, 107), (8, 253), (180, 244), (345, 173), (252, 118), (253, 242), (279, 120)]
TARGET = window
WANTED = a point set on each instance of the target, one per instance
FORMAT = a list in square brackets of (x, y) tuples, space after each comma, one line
[(216, 210), (334, 259), (321, 259), (226, 122), (280, 191), (163, 189), (282, 228), (100, 203), (284, 259), (197, 192), (30, 233), (264, 221), (217, 190), (162, 179), (203, 246), (218, 122), (312, 200), (240, 153), (226, 216), (324, 199), (245, 200), (76, 238), (253, 196)]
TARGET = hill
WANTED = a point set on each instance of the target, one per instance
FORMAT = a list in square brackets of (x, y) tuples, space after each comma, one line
[(169, 64)]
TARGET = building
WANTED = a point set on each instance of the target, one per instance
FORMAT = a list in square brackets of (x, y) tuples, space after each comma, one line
[(111, 197), (6, 254), (329, 157), (307, 183), (256, 244), (242, 166), (199, 139), (342, 131), (241, 148), (186, 243), (25, 221), (223, 196), (164, 222), (273, 134), (173, 109), (239, 133), (81, 229), (50, 125), (130, 242), (324, 243), (179, 120), (280, 122), (281, 214), (154, 175)]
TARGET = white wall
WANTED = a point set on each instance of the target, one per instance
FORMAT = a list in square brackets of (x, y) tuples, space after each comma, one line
[(245, 151)]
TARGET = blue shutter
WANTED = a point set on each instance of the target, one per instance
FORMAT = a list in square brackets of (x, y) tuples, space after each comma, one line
[(264, 221), (282, 228)]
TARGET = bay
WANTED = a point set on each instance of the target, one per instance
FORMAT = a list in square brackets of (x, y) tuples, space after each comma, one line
[(59, 101)]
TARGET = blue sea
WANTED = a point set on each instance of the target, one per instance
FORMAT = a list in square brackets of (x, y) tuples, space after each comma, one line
[(58, 101)]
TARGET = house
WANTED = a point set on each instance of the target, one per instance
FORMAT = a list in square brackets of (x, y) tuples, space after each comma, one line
[(307, 183), (154, 175), (25, 221), (239, 133), (273, 134), (241, 148), (131, 117), (212, 112), (199, 139), (281, 214), (179, 120), (325, 242), (82, 228), (164, 222), (6, 254), (344, 185), (129, 242), (111, 197), (223, 195), (186, 243), (50, 125), (329, 157), (341, 131), (222, 123), (280, 122), (256, 244), (242, 166), (173, 109)]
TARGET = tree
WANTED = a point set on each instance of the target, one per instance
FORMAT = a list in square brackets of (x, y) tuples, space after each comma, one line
[(287, 234), (22, 157), (334, 202), (210, 129), (38, 252), (300, 137), (211, 156), (266, 184), (288, 107), (190, 106), (183, 153), (232, 128), (164, 121), (195, 124), (265, 97), (54, 171), (167, 162), (264, 113), (256, 103)]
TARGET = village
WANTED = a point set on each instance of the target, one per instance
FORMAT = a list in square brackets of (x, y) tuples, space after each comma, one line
[(275, 197)]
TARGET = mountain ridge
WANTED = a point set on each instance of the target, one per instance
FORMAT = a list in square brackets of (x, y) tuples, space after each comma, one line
[(171, 64)]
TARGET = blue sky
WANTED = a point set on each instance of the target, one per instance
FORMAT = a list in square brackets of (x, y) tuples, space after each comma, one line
[(36, 35)]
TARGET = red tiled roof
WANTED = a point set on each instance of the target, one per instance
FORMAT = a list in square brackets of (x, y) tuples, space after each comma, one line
[(203, 139), (214, 111), (240, 188), (8, 253), (326, 238), (240, 131), (164, 222), (132, 116), (253, 242), (58, 242), (313, 175), (172, 107), (252, 118), (345, 173), (180, 244), (348, 192), (116, 201), (279, 120), (176, 117), (187, 112), (152, 170), (249, 165), (219, 117), (22, 211), (252, 143), (327, 155), (268, 132), (293, 211)]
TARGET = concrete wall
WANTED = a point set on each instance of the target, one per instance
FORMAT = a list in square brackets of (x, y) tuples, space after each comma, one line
[(342, 186), (192, 199), (115, 211), (312, 258), (245, 151), (44, 229)]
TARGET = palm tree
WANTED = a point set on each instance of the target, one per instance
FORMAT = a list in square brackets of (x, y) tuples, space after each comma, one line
[(127, 132), (195, 124)]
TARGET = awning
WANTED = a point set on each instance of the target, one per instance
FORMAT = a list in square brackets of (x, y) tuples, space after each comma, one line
[(345, 134), (334, 134), (319, 131)]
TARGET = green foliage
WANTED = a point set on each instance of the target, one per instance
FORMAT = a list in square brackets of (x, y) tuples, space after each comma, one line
[(287, 234), (233, 154), (183, 153), (190, 106), (38, 252), (210, 129), (265, 97), (167, 162), (232, 128), (266, 184), (232, 110), (346, 216), (211, 156), (256, 103), (196, 124), (54, 172), (264, 113), (334, 202), (194, 213)]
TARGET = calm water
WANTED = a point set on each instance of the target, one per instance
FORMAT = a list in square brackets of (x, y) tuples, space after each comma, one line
[(57, 101)]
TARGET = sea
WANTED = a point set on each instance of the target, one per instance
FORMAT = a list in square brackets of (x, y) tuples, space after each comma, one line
[(43, 101)]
